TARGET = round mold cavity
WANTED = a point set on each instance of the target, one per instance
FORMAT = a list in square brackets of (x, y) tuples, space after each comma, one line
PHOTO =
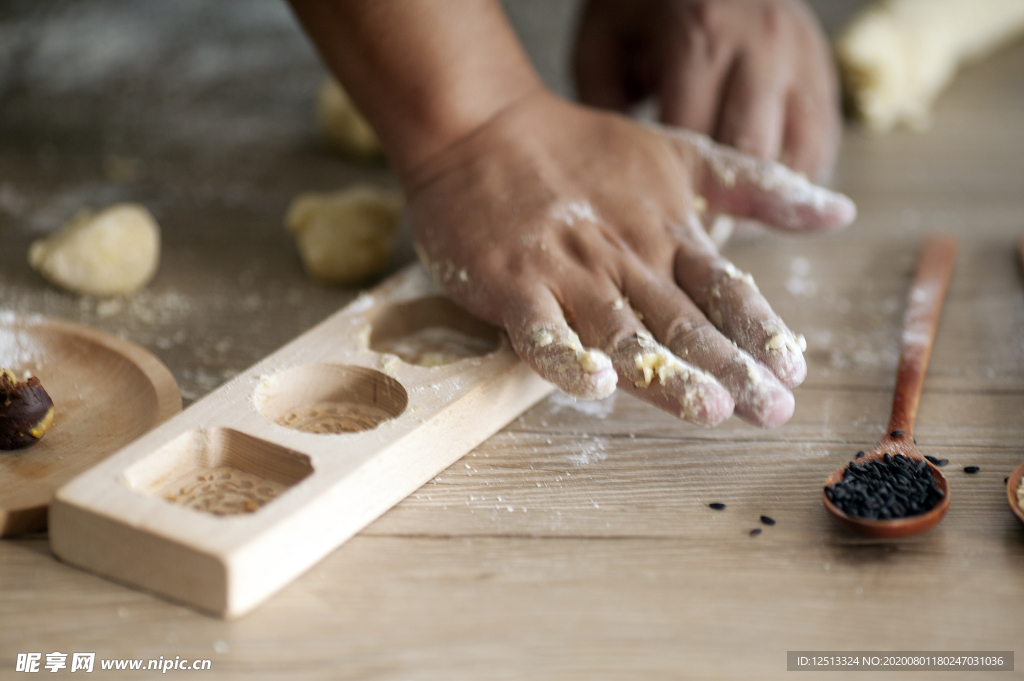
[(432, 332), (330, 399)]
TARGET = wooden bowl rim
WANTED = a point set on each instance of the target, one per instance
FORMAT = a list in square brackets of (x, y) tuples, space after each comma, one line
[(1016, 477), (17, 517)]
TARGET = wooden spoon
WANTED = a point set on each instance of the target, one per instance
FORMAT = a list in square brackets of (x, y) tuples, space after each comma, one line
[(919, 324)]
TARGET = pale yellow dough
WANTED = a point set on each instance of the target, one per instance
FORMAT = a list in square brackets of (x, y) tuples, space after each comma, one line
[(346, 236), (341, 123), (898, 55), (113, 252)]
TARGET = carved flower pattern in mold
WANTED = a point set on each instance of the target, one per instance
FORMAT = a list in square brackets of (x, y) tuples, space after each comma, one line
[(224, 490)]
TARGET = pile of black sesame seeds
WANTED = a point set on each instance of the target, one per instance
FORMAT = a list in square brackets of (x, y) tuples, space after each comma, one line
[(893, 487)]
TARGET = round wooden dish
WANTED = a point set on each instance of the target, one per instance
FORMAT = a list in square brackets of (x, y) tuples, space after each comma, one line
[(1011, 491), (106, 392)]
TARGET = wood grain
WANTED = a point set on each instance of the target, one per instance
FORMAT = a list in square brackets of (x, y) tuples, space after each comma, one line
[(610, 565)]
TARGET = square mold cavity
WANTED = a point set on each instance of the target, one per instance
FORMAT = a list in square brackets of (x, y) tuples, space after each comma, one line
[(218, 471)]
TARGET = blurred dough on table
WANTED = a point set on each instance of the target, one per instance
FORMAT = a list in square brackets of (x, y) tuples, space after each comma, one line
[(346, 236), (109, 253), (341, 123), (896, 56)]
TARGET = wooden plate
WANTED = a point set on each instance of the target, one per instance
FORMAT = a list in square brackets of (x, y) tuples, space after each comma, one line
[(1011, 491), (106, 393)]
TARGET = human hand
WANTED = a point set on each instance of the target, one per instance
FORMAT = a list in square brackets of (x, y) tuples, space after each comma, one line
[(757, 75), (575, 231)]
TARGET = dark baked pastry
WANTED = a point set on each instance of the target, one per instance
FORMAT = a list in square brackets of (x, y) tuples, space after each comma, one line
[(26, 411)]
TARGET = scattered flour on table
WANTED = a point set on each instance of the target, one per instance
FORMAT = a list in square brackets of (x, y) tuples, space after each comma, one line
[(12, 201), (163, 308), (591, 451), (197, 382), (873, 344), (598, 409), (798, 284), (18, 351)]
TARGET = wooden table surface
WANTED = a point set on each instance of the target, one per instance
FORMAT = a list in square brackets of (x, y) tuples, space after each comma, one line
[(577, 542)]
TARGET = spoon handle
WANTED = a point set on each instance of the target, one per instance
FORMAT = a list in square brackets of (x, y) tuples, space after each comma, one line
[(919, 324)]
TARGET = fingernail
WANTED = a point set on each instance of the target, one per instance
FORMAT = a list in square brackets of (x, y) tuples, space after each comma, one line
[(846, 210), (581, 372), (784, 351), (760, 397), (648, 365)]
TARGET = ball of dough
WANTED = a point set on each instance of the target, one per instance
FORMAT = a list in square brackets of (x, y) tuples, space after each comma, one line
[(110, 253), (346, 236), (341, 123), (896, 56)]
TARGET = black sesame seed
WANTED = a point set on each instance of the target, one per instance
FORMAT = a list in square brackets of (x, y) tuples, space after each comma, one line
[(1006, 481), (756, 531), (942, 462), (896, 433), (859, 455), (933, 459), (971, 469), (893, 487), (716, 505), (767, 521)]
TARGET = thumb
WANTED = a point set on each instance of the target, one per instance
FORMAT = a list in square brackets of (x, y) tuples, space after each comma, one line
[(747, 187), (600, 66)]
